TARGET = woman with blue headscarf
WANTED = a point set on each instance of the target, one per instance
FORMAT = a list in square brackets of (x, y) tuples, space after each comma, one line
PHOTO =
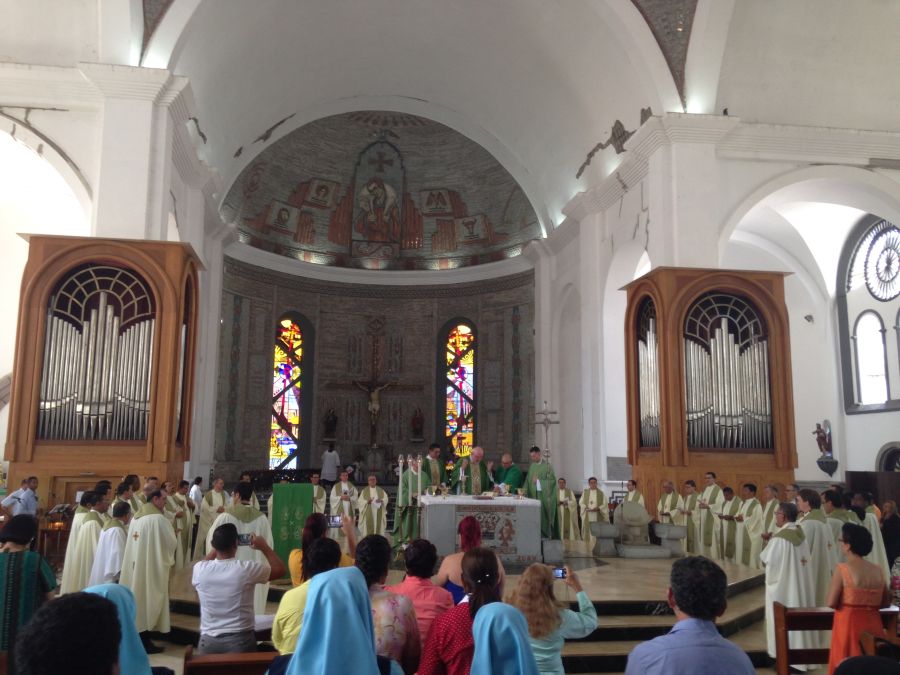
[(502, 646), (132, 657), (337, 635)]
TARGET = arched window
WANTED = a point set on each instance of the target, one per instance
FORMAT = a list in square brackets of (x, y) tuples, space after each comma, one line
[(868, 287), (868, 345), (291, 397), (457, 381)]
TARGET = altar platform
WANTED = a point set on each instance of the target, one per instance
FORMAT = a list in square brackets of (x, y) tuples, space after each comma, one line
[(629, 596)]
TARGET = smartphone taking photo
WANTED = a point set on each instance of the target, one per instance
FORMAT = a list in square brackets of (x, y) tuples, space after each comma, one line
[(244, 540), (334, 521), (559, 573)]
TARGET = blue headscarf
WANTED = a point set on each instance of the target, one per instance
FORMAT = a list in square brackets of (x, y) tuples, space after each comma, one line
[(501, 639), (337, 635), (132, 657)]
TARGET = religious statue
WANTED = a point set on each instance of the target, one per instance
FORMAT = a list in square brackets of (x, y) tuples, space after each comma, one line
[(418, 424), (823, 439), (374, 393), (330, 421)]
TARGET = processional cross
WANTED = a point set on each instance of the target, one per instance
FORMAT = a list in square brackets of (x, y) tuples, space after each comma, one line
[(543, 419)]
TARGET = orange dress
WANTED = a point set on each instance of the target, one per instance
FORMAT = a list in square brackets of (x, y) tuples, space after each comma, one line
[(857, 614)]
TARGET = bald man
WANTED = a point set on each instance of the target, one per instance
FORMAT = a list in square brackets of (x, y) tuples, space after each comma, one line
[(470, 477), (507, 474)]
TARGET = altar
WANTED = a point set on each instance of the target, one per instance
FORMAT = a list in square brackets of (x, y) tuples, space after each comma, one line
[(511, 527)]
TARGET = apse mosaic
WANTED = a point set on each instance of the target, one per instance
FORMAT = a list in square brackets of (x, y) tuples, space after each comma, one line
[(460, 389), (381, 190), (287, 392)]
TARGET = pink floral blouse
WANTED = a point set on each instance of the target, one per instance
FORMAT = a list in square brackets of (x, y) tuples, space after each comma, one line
[(395, 624)]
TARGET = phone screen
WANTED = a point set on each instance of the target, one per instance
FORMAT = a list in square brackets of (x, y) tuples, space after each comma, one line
[(243, 540), (334, 521), (559, 572)]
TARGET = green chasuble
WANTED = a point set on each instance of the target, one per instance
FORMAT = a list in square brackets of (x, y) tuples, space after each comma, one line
[(635, 496), (729, 527), (792, 534), (707, 516), (690, 504), (406, 514), (113, 522), (476, 478), (244, 512), (147, 509), (372, 516), (437, 474), (541, 484), (81, 509), (511, 476), (752, 506)]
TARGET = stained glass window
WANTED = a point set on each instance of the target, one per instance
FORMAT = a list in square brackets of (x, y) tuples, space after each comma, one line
[(287, 396), (459, 407)]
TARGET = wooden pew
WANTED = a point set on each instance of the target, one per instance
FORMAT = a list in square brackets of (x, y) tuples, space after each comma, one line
[(251, 663), (880, 645), (789, 619)]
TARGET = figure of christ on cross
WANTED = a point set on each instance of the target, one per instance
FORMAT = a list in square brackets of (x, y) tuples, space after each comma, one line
[(373, 389)]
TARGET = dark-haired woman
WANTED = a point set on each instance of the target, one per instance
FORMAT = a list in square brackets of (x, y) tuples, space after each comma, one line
[(316, 527), (449, 574), (858, 591), (393, 616), (449, 646)]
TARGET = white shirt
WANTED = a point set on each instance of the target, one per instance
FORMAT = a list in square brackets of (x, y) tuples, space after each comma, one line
[(196, 495), (22, 501), (330, 463), (226, 591)]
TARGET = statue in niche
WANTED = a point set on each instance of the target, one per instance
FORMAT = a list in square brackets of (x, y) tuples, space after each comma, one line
[(823, 438), (330, 423)]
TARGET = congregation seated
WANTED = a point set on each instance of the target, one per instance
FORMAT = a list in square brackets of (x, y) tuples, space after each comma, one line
[(316, 527), (323, 555), (449, 574), (550, 623), (225, 586), (393, 616), (429, 601)]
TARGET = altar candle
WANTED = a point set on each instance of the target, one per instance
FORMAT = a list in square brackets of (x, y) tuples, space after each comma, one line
[(400, 486), (419, 476)]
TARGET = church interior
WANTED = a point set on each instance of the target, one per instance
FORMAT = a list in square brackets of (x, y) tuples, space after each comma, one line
[(653, 238)]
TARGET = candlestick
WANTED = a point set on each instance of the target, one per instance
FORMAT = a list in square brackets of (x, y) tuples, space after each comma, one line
[(400, 485)]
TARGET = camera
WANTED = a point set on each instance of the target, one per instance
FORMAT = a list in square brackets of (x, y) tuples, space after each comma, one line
[(559, 572), (335, 521), (244, 540)]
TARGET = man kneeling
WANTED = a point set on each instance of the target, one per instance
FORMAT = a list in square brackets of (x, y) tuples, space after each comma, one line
[(225, 586), (697, 589)]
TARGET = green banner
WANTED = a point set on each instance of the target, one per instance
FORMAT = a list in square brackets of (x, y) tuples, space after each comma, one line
[(291, 505)]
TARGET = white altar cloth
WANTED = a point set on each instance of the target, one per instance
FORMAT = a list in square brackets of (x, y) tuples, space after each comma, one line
[(509, 526)]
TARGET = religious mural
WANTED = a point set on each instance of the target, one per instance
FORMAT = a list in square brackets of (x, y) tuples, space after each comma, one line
[(381, 191)]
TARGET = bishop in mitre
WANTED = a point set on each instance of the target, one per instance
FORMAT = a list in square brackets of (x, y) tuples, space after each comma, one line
[(372, 507), (111, 546), (77, 568), (710, 505), (413, 483), (786, 560), (213, 504), (634, 495), (149, 557), (670, 507), (540, 484), (248, 520), (594, 509), (749, 528), (690, 510), (568, 512), (728, 525)]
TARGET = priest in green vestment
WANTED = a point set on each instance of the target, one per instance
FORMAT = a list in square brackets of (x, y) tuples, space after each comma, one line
[(749, 528), (568, 512), (540, 483), (214, 502), (413, 482), (691, 512), (372, 506), (710, 505), (470, 477), (507, 474), (593, 508), (727, 529), (434, 467), (669, 507), (771, 493), (634, 495)]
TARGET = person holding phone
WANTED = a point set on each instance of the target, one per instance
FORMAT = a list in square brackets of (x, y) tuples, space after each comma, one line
[(550, 624), (225, 585)]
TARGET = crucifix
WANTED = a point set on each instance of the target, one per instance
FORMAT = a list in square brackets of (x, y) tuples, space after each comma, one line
[(373, 388), (543, 419)]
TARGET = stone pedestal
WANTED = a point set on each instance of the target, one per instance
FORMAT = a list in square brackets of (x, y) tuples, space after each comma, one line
[(672, 535), (552, 551), (606, 534)]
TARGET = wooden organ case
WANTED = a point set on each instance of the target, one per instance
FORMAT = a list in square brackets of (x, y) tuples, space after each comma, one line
[(708, 379), (105, 351)]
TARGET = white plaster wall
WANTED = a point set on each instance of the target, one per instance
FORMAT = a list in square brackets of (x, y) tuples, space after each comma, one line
[(34, 199), (49, 32), (570, 459)]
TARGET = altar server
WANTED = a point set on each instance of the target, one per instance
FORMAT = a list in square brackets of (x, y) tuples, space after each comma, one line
[(728, 525), (214, 502), (710, 505), (248, 520), (691, 512), (111, 546), (372, 505), (594, 509), (540, 483), (749, 528), (634, 495), (77, 568), (568, 512)]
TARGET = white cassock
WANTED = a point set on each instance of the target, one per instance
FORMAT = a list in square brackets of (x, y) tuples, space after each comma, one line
[(149, 556), (878, 555), (672, 504), (110, 549), (592, 499), (823, 551), (635, 496), (567, 515), (77, 520), (372, 517), (728, 530), (788, 581), (749, 534), (319, 499), (691, 514), (209, 507), (247, 520), (77, 570), (709, 521)]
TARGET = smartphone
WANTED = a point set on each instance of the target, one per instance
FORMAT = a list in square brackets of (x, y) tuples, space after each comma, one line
[(243, 540), (559, 572), (335, 521)]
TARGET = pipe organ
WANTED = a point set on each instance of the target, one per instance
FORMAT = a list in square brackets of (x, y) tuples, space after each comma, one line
[(105, 353), (708, 378)]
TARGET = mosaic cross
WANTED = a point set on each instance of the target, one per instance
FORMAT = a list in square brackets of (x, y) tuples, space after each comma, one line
[(381, 161)]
